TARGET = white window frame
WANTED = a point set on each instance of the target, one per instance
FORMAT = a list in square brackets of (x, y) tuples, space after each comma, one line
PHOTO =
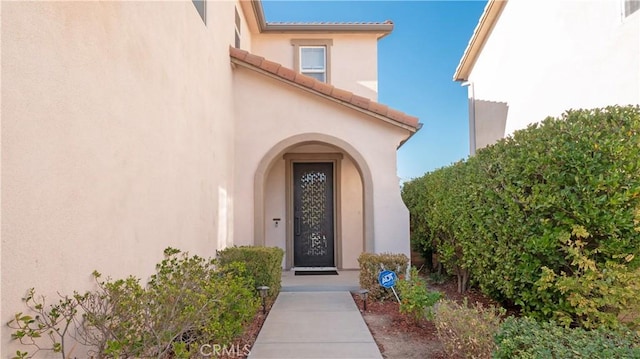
[(301, 43), (314, 71)]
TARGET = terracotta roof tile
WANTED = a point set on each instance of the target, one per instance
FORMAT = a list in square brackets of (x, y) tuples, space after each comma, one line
[(312, 84), (341, 94), (237, 53), (286, 73), (254, 59), (396, 115), (304, 80), (360, 101), (323, 87), (270, 66), (402, 117), (412, 121), (378, 108)]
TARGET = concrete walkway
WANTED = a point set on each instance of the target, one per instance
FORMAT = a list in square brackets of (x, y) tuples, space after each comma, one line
[(315, 323)]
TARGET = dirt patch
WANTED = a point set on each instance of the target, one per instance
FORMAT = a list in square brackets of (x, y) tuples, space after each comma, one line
[(247, 338), (402, 338), (398, 337)]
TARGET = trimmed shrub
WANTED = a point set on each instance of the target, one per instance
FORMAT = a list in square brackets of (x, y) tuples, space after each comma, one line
[(371, 265), (416, 301), (435, 216), (188, 302), (526, 338), (547, 219), (467, 331), (264, 264)]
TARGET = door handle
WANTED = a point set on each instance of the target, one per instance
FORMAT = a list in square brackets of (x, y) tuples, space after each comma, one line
[(296, 225)]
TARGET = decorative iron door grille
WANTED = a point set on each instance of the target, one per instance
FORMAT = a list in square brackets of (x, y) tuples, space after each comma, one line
[(313, 239)]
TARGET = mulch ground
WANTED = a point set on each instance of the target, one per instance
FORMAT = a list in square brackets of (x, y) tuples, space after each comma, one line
[(399, 337), (248, 337), (396, 335)]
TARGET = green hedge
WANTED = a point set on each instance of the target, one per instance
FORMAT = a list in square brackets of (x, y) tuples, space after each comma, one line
[(263, 263), (526, 338), (370, 267), (546, 219)]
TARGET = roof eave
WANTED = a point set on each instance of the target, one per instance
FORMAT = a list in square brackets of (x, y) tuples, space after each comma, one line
[(256, 5), (410, 135), (382, 29), (487, 21)]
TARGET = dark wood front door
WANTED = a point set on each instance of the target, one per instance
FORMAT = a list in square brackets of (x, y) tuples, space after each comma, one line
[(313, 227)]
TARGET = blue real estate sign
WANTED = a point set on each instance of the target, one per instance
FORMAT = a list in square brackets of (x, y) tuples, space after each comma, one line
[(387, 278)]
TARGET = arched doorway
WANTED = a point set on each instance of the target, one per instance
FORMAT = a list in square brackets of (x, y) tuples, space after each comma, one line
[(325, 162)]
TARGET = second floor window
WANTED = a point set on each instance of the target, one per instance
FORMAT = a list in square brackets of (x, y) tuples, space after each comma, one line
[(312, 57), (313, 62)]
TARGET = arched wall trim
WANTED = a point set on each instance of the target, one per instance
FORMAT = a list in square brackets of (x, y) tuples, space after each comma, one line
[(277, 151)]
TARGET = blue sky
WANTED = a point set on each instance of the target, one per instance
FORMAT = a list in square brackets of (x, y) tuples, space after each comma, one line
[(416, 63)]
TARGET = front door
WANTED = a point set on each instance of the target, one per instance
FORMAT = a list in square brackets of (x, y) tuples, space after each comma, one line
[(313, 227)]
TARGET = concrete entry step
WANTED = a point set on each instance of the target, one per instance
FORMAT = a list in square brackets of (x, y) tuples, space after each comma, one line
[(345, 281), (313, 269), (324, 325)]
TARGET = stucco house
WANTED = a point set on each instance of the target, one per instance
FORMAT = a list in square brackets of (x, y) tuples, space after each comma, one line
[(528, 60), (128, 127)]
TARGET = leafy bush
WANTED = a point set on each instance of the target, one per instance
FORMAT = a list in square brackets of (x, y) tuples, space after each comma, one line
[(53, 322), (526, 338), (435, 216), (371, 265), (264, 264), (550, 211), (467, 331), (416, 300), (598, 294), (188, 302), (115, 318)]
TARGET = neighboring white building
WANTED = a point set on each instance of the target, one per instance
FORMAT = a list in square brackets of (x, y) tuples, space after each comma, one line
[(531, 59), (128, 127)]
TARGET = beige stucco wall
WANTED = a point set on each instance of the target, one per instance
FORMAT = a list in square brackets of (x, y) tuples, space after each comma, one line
[(117, 127), (275, 207), (352, 215), (542, 59), (353, 62)]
